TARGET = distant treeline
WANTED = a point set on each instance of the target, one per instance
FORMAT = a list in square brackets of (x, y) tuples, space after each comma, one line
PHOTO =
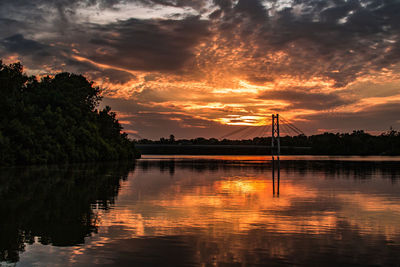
[(355, 143), (55, 119)]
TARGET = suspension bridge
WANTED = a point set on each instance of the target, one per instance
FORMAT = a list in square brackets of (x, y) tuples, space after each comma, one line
[(267, 130), (271, 130)]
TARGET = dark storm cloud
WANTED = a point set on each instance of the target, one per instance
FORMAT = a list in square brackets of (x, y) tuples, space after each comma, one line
[(302, 99), (223, 4), (147, 44), (18, 44), (9, 27), (252, 8)]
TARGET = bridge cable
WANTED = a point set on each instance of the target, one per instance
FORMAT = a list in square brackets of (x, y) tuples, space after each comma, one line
[(269, 134), (267, 130), (235, 132), (290, 129), (292, 126), (247, 133), (258, 131), (283, 129), (254, 133), (297, 130), (262, 130)]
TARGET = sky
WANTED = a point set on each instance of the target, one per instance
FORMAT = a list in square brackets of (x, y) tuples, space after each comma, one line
[(203, 68)]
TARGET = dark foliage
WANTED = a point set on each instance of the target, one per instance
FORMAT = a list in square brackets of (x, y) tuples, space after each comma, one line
[(56, 120)]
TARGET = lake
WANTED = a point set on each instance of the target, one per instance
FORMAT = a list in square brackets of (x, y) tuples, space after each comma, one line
[(203, 211)]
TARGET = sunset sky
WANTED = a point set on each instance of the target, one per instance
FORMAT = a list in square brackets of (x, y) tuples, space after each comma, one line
[(204, 67)]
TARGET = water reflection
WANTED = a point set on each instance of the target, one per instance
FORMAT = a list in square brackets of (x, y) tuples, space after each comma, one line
[(202, 212), (276, 165), (54, 205)]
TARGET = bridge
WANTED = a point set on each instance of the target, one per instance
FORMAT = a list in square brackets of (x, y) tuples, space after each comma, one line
[(272, 131), (274, 149)]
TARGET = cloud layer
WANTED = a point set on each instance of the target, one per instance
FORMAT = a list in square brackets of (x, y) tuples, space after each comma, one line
[(194, 67)]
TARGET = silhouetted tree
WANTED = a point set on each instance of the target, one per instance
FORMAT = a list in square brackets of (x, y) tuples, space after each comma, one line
[(56, 120)]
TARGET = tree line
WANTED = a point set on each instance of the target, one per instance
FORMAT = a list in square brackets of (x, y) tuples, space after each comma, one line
[(356, 143), (56, 119)]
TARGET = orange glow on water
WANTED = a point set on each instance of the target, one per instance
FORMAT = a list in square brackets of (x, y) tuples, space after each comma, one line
[(240, 202)]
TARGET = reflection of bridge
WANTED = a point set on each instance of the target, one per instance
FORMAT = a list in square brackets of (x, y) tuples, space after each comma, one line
[(276, 164)]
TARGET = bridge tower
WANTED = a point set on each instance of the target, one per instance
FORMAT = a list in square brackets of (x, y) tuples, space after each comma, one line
[(276, 144)]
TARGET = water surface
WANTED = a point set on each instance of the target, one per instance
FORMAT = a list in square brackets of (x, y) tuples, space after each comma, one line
[(203, 211)]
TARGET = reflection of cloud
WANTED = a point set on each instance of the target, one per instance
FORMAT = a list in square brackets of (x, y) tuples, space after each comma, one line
[(374, 211), (237, 203), (227, 214)]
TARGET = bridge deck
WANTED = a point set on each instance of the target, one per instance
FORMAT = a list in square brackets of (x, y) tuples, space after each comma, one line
[(190, 149), (212, 146)]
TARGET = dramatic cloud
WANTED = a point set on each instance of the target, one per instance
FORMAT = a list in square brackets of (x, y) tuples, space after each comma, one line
[(153, 45), (195, 67), (299, 98)]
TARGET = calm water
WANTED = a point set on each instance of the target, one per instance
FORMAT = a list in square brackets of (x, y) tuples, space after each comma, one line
[(203, 211)]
